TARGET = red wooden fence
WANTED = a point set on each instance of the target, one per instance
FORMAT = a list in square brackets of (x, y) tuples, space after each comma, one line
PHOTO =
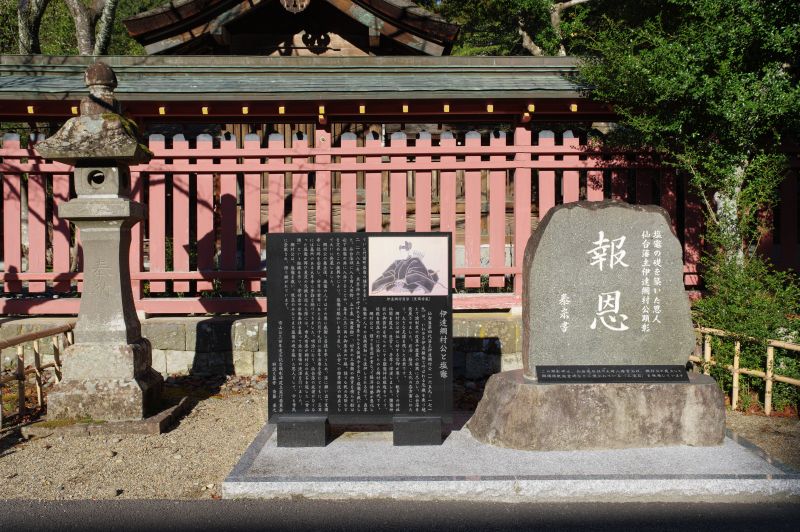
[(212, 204)]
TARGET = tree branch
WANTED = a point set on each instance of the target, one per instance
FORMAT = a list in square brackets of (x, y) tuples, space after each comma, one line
[(555, 20), (29, 19), (561, 6), (527, 42), (104, 27)]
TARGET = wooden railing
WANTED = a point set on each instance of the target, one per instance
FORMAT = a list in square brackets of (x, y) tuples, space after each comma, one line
[(213, 202), (768, 374), (61, 337)]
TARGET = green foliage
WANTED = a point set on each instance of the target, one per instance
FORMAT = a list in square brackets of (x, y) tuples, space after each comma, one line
[(490, 27), (8, 26), (750, 300), (753, 301), (713, 86)]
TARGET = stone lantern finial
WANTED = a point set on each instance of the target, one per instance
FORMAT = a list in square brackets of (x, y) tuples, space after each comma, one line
[(101, 81)]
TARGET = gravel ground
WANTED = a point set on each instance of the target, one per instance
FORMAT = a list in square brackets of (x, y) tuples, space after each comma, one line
[(191, 461)]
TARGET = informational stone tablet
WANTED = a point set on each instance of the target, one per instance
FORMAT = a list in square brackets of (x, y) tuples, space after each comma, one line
[(604, 299), (359, 331)]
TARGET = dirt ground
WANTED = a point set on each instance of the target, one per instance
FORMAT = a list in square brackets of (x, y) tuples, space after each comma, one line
[(778, 436), (192, 460)]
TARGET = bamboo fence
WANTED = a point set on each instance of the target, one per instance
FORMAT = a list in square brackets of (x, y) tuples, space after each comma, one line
[(61, 338), (768, 375)]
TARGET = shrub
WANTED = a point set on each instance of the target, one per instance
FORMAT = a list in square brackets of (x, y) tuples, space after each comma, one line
[(751, 299)]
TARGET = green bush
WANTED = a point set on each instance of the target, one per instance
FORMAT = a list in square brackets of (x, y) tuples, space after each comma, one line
[(752, 300)]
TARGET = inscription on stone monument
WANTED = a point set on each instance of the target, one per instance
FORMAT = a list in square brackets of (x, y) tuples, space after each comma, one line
[(609, 303), (359, 330)]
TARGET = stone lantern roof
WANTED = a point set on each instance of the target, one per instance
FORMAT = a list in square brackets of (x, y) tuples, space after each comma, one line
[(100, 133)]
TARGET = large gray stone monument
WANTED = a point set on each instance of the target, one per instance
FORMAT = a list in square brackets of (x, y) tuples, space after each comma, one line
[(606, 336), (107, 373)]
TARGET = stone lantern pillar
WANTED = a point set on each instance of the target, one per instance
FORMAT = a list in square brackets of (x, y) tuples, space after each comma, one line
[(107, 373)]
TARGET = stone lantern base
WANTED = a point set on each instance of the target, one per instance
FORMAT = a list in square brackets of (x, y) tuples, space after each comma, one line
[(108, 382)]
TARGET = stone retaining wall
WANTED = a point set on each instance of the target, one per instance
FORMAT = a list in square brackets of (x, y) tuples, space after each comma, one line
[(484, 343)]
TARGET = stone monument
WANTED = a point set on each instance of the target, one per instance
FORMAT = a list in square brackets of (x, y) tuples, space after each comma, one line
[(107, 373), (607, 334)]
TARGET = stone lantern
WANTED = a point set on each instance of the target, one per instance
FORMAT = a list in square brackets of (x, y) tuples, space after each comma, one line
[(107, 373)]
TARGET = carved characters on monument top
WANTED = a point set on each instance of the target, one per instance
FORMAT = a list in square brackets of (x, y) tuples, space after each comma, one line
[(604, 285)]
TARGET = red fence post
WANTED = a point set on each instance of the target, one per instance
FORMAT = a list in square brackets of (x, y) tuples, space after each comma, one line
[(372, 184), (547, 178), (349, 197), (472, 208), (61, 234), (276, 187), (252, 216), (644, 186), (447, 191), (422, 186), (324, 186), (12, 219), (299, 189), (398, 190), (180, 216), (497, 211), (669, 198), (693, 228), (522, 201), (570, 180), (228, 206), (156, 216), (37, 224), (206, 237)]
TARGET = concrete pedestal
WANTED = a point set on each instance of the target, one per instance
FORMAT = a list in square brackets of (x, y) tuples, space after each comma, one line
[(521, 414)]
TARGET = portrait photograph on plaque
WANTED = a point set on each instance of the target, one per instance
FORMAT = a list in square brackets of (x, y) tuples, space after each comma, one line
[(408, 265)]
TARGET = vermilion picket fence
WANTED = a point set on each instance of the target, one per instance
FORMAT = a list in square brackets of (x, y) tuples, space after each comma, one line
[(213, 202)]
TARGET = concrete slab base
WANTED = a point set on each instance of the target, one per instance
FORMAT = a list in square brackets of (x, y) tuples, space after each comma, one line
[(366, 465)]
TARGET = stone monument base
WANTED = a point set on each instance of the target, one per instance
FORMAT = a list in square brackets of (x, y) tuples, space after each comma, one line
[(521, 414)]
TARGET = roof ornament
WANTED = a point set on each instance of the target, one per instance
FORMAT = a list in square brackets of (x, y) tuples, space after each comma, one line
[(295, 6)]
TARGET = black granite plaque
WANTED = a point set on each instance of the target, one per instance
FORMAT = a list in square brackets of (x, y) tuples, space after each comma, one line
[(586, 374), (359, 326)]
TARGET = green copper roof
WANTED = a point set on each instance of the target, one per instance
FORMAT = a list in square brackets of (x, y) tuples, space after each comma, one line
[(176, 78)]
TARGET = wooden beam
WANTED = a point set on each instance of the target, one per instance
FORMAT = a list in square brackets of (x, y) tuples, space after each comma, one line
[(214, 26), (387, 29)]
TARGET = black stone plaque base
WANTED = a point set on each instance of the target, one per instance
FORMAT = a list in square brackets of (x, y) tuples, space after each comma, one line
[(417, 430), (596, 374), (303, 431)]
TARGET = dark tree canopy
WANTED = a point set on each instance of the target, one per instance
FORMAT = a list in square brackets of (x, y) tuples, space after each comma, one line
[(712, 85)]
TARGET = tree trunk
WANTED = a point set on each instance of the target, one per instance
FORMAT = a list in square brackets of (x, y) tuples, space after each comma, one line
[(29, 19), (104, 26), (85, 18), (727, 210)]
